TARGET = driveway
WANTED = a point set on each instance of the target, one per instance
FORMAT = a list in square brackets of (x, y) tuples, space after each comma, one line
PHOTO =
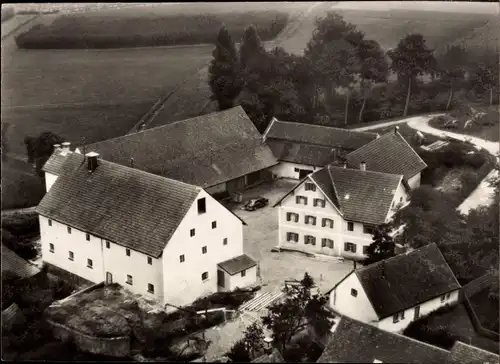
[(483, 194), (261, 235)]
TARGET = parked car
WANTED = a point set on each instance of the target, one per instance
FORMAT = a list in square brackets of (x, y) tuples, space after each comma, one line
[(256, 203)]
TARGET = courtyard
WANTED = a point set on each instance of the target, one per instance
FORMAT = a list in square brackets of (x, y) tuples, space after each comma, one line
[(261, 235)]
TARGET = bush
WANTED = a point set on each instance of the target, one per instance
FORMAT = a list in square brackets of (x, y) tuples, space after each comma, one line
[(230, 300)]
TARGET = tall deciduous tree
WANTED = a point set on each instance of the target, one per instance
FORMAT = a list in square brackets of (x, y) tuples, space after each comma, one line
[(39, 149), (224, 71), (299, 309), (410, 59), (374, 69), (485, 74), (250, 47), (452, 68), (383, 245)]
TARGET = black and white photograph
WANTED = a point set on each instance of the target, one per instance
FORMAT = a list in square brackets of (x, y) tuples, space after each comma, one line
[(280, 181)]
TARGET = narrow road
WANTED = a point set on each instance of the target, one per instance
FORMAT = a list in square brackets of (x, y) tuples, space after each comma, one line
[(483, 194)]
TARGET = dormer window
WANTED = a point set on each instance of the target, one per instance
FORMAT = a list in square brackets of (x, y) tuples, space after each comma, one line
[(202, 205)]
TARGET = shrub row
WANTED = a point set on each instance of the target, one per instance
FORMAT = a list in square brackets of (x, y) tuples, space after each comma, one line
[(80, 32), (19, 232)]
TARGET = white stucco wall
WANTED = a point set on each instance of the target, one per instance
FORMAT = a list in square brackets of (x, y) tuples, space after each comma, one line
[(401, 197), (414, 182), (49, 180), (287, 169), (344, 303), (237, 281), (426, 308), (182, 282), (76, 242), (339, 234)]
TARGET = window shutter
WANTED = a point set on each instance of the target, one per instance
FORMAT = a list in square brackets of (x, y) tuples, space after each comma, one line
[(346, 247), (313, 240), (288, 215), (330, 244), (296, 217), (297, 199), (353, 248), (314, 220), (323, 242)]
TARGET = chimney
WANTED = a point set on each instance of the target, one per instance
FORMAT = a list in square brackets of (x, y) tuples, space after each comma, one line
[(131, 162), (345, 165), (65, 147), (57, 146), (362, 166), (92, 161), (396, 129)]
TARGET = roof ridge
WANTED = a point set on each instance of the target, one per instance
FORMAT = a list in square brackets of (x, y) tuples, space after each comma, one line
[(334, 188), (367, 144), (367, 171), (328, 127)]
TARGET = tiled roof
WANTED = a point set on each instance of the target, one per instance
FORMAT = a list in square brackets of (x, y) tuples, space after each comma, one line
[(15, 264), (407, 280), (274, 357), (357, 342), (313, 155), (56, 164), (204, 151), (466, 354), (362, 196), (237, 264), (389, 154), (319, 135), (127, 206)]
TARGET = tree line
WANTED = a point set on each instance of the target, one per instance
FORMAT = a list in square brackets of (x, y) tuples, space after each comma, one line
[(345, 78)]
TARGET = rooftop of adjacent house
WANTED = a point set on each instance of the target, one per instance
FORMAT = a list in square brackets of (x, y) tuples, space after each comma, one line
[(308, 154), (462, 353), (127, 206), (205, 151), (361, 196), (237, 264), (357, 342), (274, 357), (390, 153), (406, 280), (14, 263), (318, 135)]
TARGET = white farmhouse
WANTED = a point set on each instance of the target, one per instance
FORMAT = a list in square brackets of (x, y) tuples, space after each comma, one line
[(390, 153), (304, 148), (333, 211), (158, 237), (392, 293)]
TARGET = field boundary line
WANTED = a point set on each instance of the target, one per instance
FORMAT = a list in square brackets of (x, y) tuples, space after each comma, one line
[(19, 26)]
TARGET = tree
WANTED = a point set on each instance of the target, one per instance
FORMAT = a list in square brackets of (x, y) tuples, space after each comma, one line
[(383, 245), (250, 47), (374, 69), (298, 310), (224, 72), (40, 149), (253, 338), (485, 74), (452, 68), (410, 59), (239, 352)]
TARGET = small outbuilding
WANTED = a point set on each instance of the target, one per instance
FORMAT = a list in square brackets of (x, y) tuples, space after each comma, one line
[(236, 272)]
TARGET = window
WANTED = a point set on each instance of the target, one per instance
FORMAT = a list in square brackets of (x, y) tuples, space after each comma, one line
[(365, 250), (368, 229), (243, 273), (308, 239), (202, 205), (50, 222), (445, 297), (350, 226), (182, 258), (150, 261), (127, 251), (204, 276), (151, 288), (401, 199), (87, 236), (319, 202), (204, 250), (69, 230), (292, 237), (354, 292), (327, 223), (191, 232), (71, 256), (398, 316), (350, 247), (90, 264), (51, 247), (224, 241), (310, 220), (310, 186), (129, 279), (214, 224), (108, 245), (416, 314), (325, 242), (290, 216), (301, 200)]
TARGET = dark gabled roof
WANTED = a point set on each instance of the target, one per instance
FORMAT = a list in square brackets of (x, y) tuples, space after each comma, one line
[(389, 154), (357, 342), (204, 151), (274, 357), (127, 206), (237, 264), (318, 135), (14, 263), (462, 353), (308, 154), (406, 280), (56, 164)]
